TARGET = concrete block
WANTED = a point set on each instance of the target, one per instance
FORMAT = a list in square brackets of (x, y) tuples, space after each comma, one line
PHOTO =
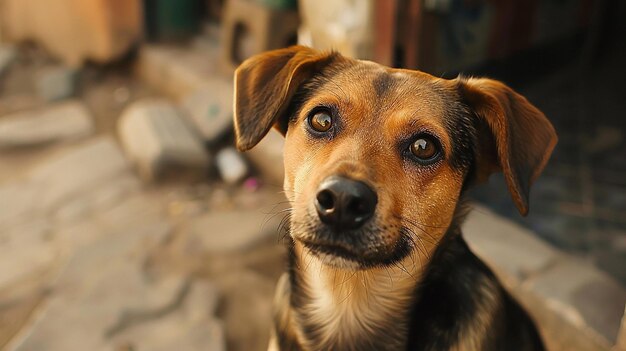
[(249, 28), (231, 165), (210, 109), (506, 244), (157, 138), (58, 122), (8, 54), (56, 83)]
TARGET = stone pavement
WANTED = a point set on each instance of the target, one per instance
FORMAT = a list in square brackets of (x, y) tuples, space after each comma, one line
[(80, 233), (90, 252), (78, 227)]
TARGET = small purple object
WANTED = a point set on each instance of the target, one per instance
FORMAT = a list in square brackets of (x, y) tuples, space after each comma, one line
[(252, 184)]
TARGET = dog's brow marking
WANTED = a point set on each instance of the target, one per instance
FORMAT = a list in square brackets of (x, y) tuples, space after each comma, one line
[(383, 83)]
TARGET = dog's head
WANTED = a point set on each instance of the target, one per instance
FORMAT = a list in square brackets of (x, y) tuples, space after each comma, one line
[(376, 158)]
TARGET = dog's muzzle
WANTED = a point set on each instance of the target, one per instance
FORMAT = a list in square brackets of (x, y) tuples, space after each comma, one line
[(344, 204)]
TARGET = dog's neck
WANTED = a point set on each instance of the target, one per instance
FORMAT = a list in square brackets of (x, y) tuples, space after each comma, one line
[(337, 307), (361, 310)]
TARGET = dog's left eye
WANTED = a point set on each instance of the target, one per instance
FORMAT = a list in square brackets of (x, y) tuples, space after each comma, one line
[(425, 148), (320, 121)]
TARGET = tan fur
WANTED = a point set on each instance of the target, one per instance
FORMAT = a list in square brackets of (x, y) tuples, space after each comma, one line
[(473, 337), (349, 305), (282, 315)]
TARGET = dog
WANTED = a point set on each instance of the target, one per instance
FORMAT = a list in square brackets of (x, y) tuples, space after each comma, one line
[(378, 162)]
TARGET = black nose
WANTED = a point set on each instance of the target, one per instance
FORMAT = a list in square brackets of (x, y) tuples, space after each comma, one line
[(344, 203)]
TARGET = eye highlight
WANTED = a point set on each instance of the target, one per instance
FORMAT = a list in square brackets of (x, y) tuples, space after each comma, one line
[(320, 121), (426, 149)]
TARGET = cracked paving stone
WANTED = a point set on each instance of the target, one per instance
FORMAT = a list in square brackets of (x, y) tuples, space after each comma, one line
[(57, 122), (26, 250), (98, 283), (228, 231), (77, 170)]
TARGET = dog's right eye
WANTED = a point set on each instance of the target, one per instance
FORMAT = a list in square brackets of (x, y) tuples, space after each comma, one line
[(425, 149), (321, 121)]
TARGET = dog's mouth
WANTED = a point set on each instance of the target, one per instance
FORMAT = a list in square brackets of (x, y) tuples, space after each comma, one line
[(319, 248), (340, 254), (334, 255)]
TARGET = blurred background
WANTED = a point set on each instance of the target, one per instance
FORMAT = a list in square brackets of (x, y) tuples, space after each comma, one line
[(129, 222)]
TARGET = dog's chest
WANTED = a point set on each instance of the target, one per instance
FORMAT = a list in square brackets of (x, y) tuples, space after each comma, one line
[(371, 309)]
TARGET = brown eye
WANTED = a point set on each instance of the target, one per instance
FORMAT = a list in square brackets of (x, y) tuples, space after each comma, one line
[(425, 148), (321, 121)]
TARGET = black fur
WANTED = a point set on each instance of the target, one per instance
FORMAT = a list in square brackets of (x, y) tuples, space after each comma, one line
[(383, 83), (448, 301)]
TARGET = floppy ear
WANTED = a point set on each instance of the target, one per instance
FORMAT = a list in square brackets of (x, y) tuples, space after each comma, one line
[(515, 137), (264, 86)]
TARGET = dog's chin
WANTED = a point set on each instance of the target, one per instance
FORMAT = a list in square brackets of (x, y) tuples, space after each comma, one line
[(335, 256), (346, 257)]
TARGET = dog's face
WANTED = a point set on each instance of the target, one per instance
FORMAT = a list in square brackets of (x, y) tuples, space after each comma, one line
[(380, 139), (377, 158)]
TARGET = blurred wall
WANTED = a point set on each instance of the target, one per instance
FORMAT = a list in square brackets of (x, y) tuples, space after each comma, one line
[(74, 30)]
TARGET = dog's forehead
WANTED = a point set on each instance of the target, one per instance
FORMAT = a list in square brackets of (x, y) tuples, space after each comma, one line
[(385, 81), (400, 93)]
